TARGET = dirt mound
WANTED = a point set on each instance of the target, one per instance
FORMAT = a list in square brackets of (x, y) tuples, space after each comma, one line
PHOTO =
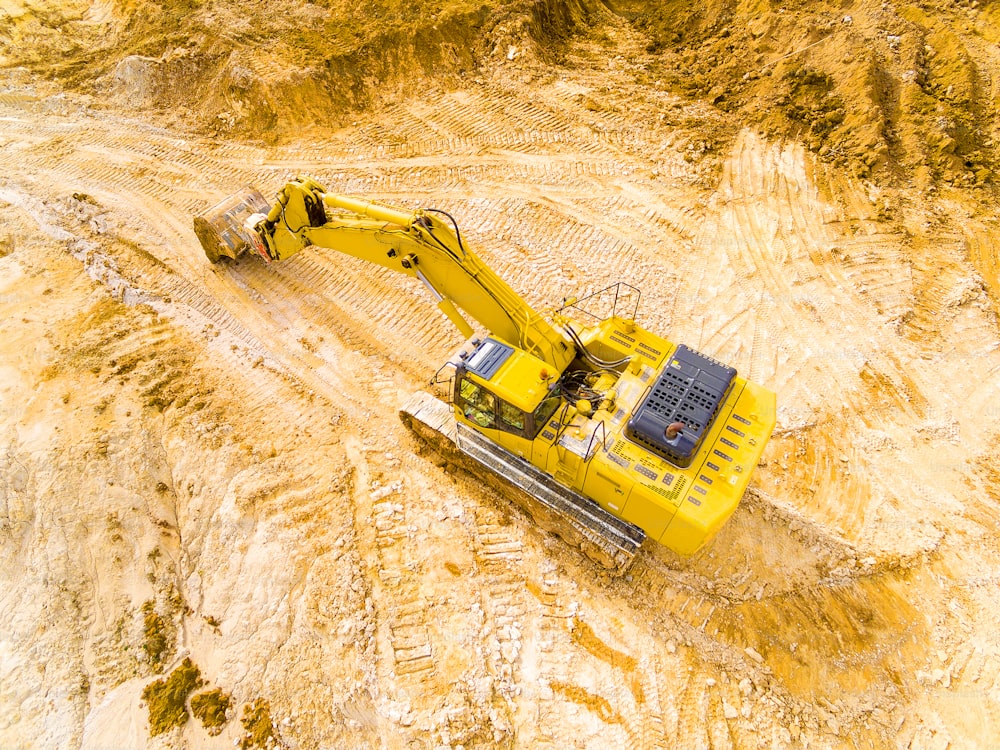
[(273, 70), (895, 90)]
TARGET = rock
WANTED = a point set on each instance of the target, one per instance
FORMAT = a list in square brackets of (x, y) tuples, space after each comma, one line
[(509, 652)]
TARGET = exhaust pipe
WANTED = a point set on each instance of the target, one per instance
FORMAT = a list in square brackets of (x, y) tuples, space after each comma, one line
[(225, 230)]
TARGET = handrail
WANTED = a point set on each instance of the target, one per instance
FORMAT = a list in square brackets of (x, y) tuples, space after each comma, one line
[(576, 303), (604, 438), (561, 414), (437, 375)]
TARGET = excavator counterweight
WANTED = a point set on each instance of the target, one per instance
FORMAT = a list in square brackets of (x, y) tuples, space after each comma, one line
[(606, 432)]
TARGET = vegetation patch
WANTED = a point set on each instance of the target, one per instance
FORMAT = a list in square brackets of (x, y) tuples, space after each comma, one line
[(166, 698), (154, 636), (210, 709), (259, 731)]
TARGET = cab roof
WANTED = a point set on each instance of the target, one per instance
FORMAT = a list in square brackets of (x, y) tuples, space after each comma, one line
[(511, 373)]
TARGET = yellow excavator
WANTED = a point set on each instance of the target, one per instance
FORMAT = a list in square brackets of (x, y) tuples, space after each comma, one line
[(610, 433)]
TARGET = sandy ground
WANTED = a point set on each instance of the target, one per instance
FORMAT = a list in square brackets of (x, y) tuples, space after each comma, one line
[(223, 442)]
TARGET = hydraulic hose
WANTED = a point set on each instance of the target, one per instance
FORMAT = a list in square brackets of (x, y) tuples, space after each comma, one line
[(596, 361)]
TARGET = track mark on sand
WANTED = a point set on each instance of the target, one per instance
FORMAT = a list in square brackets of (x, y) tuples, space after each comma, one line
[(403, 611)]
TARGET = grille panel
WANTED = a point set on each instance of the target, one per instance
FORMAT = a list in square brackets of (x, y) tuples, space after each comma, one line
[(690, 390)]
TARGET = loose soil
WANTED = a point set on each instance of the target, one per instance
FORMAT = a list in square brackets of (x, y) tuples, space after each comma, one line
[(201, 467)]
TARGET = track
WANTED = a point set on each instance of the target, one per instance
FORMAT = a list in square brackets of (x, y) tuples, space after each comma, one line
[(800, 619)]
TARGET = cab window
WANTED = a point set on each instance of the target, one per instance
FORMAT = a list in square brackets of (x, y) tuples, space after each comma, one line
[(546, 409), (511, 417), (478, 404), (486, 410)]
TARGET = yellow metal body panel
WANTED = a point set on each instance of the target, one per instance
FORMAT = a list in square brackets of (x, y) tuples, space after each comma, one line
[(732, 450), (681, 508)]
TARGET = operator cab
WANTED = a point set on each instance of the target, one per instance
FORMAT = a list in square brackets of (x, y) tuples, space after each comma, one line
[(502, 388)]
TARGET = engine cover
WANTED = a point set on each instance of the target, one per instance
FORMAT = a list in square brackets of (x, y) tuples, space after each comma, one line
[(690, 390)]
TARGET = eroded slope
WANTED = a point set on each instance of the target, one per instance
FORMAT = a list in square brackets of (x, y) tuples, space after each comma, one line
[(314, 562)]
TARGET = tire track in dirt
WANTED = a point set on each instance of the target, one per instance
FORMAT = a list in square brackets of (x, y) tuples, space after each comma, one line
[(408, 635), (832, 374), (548, 235), (568, 697), (403, 610), (698, 612), (532, 219), (121, 177), (498, 555)]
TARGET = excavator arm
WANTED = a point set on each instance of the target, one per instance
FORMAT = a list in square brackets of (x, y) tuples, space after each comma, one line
[(421, 244)]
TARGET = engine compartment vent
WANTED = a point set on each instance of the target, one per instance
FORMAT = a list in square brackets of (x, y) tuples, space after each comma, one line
[(689, 390)]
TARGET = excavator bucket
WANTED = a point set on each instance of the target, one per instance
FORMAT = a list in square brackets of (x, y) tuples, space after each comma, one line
[(222, 230)]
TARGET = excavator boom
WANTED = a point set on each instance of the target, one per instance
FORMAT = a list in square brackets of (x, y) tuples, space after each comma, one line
[(419, 244)]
